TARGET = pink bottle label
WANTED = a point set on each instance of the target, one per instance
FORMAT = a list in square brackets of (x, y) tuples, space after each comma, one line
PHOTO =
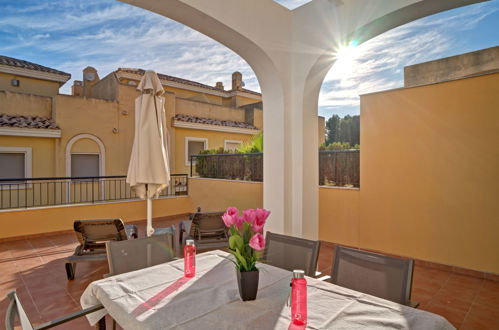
[(299, 301), (189, 261)]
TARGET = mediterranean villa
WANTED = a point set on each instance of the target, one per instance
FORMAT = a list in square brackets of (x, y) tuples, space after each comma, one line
[(90, 133), (429, 176)]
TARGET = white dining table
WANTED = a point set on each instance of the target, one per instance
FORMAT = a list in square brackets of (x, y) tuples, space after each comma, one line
[(160, 297)]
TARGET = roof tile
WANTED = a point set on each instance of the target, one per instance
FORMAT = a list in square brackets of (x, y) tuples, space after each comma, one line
[(210, 121), (27, 121), (10, 61)]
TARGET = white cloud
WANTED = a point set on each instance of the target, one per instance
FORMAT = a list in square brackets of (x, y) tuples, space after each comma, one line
[(378, 64)]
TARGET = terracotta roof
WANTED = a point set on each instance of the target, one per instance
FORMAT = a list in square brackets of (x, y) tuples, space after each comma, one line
[(183, 81), (210, 121), (26, 122), (10, 61)]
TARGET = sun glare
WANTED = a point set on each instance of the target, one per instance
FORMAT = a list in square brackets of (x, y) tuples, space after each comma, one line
[(345, 60)]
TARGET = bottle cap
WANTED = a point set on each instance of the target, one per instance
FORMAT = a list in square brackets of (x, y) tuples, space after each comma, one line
[(297, 273), (189, 242)]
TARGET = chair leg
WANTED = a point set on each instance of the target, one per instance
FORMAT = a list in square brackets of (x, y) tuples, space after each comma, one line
[(114, 324), (70, 270), (101, 325)]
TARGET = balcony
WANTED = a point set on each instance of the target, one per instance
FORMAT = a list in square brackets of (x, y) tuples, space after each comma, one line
[(35, 268)]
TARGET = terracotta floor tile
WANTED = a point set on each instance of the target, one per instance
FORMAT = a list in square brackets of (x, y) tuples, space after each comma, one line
[(35, 268), (453, 315)]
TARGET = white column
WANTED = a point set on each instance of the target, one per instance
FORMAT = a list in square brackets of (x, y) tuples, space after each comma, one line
[(291, 52)]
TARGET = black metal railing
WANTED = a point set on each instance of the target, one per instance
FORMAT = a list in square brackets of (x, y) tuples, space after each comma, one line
[(37, 192), (336, 167)]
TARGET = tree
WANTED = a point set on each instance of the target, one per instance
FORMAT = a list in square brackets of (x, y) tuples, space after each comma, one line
[(333, 129), (346, 129)]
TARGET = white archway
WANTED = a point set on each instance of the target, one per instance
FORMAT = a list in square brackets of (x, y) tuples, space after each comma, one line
[(102, 152), (290, 53)]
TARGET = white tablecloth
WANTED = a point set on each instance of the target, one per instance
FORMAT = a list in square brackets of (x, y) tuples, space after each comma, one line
[(160, 298)]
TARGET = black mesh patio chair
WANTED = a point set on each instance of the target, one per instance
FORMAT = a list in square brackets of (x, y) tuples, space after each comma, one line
[(92, 236), (207, 229), (291, 253), (373, 273), (130, 255), (16, 309)]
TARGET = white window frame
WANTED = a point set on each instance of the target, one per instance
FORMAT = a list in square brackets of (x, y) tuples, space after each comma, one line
[(232, 141), (28, 161), (186, 147)]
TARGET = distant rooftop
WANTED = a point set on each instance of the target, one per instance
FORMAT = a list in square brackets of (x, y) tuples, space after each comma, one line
[(483, 61), (14, 62), (210, 121), (27, 122), (183, 81)]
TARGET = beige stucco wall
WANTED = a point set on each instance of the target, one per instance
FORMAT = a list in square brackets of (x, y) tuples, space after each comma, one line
[(79, 115), (206, 110), (29, 85), (14, 103), (339, 215), (42, 149), (429, 172), (215, 141), (50, 219), (217, 195)]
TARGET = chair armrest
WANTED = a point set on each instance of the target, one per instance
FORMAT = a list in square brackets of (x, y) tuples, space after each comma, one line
[(69, 317)]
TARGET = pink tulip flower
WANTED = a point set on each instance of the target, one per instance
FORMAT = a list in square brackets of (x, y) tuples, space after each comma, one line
[(228, 219), (257, 242), (261, 216), (238, 221), (230, 216), (249, 215)]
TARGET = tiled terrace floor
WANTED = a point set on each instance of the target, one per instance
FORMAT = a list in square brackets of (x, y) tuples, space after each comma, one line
[(35, 268)]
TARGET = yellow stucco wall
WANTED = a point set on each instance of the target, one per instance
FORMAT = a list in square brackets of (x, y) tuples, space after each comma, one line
[(78, 115), (29, 85), (217, 195), (215, 140), (339, 210), (430, 172), (45, 220), (199, 109), (42, 151), (25, 104)]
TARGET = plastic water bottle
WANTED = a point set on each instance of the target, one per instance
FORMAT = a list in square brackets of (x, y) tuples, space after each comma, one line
[(299, 298), (189, 258)]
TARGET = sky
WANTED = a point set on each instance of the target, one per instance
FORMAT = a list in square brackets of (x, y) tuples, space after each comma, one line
[(70, 35)]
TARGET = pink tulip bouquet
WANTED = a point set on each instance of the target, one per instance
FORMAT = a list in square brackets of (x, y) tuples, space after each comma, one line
[(246, 240)]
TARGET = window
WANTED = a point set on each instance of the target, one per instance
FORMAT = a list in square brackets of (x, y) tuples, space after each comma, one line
[(232, 145), (15, 163), (193, 146), (85, 165), (15, 82)]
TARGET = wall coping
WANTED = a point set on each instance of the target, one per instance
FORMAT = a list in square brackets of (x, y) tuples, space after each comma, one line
[(228, 180), (86, 204), (340, 188)]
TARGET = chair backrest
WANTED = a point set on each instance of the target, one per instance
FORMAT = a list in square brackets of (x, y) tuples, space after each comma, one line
[(94, 233), (291, 253), (373, 273), (207, 222), (130, 255), (15, 308)]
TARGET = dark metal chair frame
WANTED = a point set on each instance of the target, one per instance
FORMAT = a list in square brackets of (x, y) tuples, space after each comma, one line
[(366, 257), (207, 229), (314, 246), (15, 308), (138, 249), (93, 248)]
